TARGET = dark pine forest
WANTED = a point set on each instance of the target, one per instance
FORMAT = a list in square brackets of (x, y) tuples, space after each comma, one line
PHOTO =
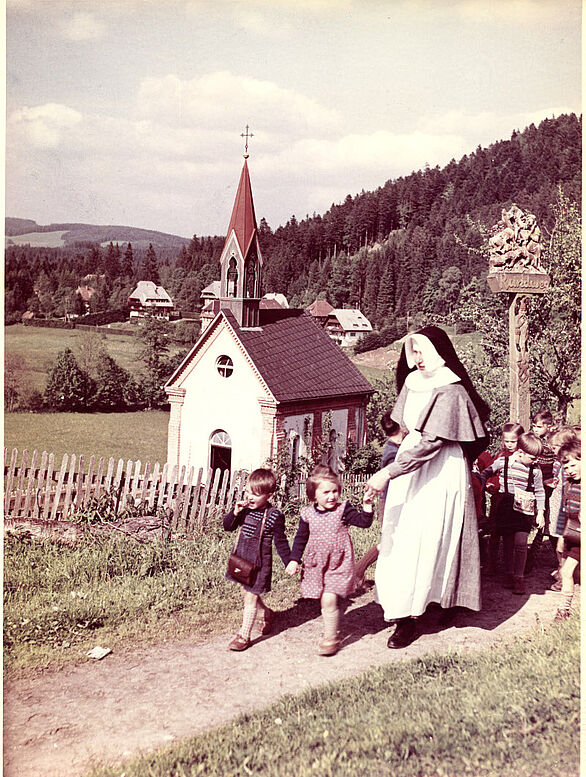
[(407, 248)]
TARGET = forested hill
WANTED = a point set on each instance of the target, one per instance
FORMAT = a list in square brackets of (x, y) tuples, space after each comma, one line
[(20, 231), (393, 252), (387, 251)]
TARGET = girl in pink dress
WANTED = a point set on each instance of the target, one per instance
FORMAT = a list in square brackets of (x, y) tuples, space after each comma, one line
[(328, 567)]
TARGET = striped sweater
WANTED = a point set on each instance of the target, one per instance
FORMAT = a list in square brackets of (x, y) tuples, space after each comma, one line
[(518, 476), (570, 501)]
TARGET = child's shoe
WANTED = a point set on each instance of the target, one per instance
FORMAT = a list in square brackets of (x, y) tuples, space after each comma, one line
[(561, 615), (328, 647), (239, 643), (266, 624), (518, 585)]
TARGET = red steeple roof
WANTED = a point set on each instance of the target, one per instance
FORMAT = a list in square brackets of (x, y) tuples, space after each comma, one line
[(243, 220)]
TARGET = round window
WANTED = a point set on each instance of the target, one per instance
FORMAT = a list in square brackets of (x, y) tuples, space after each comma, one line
[(225, 366)]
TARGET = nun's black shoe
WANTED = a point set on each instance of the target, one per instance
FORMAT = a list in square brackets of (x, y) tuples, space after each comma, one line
[(404, 634)]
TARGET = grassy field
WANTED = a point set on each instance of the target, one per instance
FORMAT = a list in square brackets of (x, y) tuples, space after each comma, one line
[(510, 711), (38, 239), (141, 435), (39, 346)]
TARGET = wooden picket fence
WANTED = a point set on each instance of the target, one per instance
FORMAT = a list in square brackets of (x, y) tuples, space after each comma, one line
[(38, 488)]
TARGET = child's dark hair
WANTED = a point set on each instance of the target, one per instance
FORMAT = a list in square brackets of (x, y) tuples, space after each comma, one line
[(513, 428), (530, 443), (317, 474), (570, 450), (262, 481), (389, 426), (543, 415)]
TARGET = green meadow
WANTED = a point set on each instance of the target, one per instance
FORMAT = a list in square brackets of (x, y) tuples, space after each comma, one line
[(39, 346), (136, 436)]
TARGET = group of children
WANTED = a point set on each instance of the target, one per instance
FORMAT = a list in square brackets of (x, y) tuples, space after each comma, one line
[(534, 479)]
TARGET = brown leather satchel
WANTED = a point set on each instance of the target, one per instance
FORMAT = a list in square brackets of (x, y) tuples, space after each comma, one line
[(241, 569)]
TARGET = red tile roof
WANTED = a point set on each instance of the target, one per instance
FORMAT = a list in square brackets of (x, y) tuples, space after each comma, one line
[(320, 308), (297, 359)]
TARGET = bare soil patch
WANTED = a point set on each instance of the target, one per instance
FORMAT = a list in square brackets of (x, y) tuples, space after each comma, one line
[(59, 723)]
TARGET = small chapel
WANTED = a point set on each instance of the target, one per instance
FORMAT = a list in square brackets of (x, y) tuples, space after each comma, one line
[(261, 379)]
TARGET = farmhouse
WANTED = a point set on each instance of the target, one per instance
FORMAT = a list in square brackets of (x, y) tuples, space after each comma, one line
[(261, 379), (344, 326), (148, 299)]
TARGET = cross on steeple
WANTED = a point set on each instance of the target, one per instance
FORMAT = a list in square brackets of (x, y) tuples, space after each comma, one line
[(246, 135)]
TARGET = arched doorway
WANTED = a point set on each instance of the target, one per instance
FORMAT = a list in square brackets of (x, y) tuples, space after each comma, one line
[(220, 450)]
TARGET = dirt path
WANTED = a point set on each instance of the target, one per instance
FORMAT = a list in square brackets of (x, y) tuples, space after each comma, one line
[(101, 712)]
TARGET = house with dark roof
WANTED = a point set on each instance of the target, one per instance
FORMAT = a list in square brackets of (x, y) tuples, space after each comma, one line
[(261, 380)]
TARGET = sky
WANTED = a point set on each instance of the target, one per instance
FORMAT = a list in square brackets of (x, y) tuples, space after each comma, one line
[(131, 111)]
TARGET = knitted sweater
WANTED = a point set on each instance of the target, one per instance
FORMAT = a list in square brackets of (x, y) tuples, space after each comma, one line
[(518, 476), (570, 502)]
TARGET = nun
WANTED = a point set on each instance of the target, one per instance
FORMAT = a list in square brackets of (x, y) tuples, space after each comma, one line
[(429, 549)]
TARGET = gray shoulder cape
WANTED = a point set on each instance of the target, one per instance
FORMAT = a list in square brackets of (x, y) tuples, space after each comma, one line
[(450, 414)]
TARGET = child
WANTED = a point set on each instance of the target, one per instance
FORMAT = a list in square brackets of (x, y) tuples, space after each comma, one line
[(570, 457), (558, 438), (249, 513), (510, 435), (395, 437), (516, 510), (541, 425), (328, 569)]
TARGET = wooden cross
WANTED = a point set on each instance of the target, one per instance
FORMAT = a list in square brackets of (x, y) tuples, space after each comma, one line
[(246, 135)]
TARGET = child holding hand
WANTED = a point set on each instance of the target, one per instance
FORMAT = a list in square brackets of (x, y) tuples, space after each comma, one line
[(328, 568), (261, 524)]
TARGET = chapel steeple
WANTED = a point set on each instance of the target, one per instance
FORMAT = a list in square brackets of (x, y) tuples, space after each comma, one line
[(241, 259)]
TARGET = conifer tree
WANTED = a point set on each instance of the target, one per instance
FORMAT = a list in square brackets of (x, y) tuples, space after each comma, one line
[(68, 387)]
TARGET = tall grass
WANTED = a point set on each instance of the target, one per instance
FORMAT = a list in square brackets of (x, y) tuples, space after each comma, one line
[(510, 711), (58, 600)]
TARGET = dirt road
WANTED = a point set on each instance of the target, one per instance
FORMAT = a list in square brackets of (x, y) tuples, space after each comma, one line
[(60, 723)]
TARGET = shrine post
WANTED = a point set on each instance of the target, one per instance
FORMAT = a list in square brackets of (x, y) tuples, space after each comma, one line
[(515, 250)]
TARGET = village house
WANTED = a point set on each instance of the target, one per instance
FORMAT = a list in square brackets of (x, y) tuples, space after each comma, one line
[(347, 326), (261, 379), (148, 299), (344, 326)]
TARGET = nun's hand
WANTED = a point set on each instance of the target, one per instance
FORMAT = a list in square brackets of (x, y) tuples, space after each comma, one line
[(379, 480)]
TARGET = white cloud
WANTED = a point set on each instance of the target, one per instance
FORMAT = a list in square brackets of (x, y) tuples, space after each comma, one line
[(42, 125), (221, 98), (528, 13), (486, 127), (82, 26)]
